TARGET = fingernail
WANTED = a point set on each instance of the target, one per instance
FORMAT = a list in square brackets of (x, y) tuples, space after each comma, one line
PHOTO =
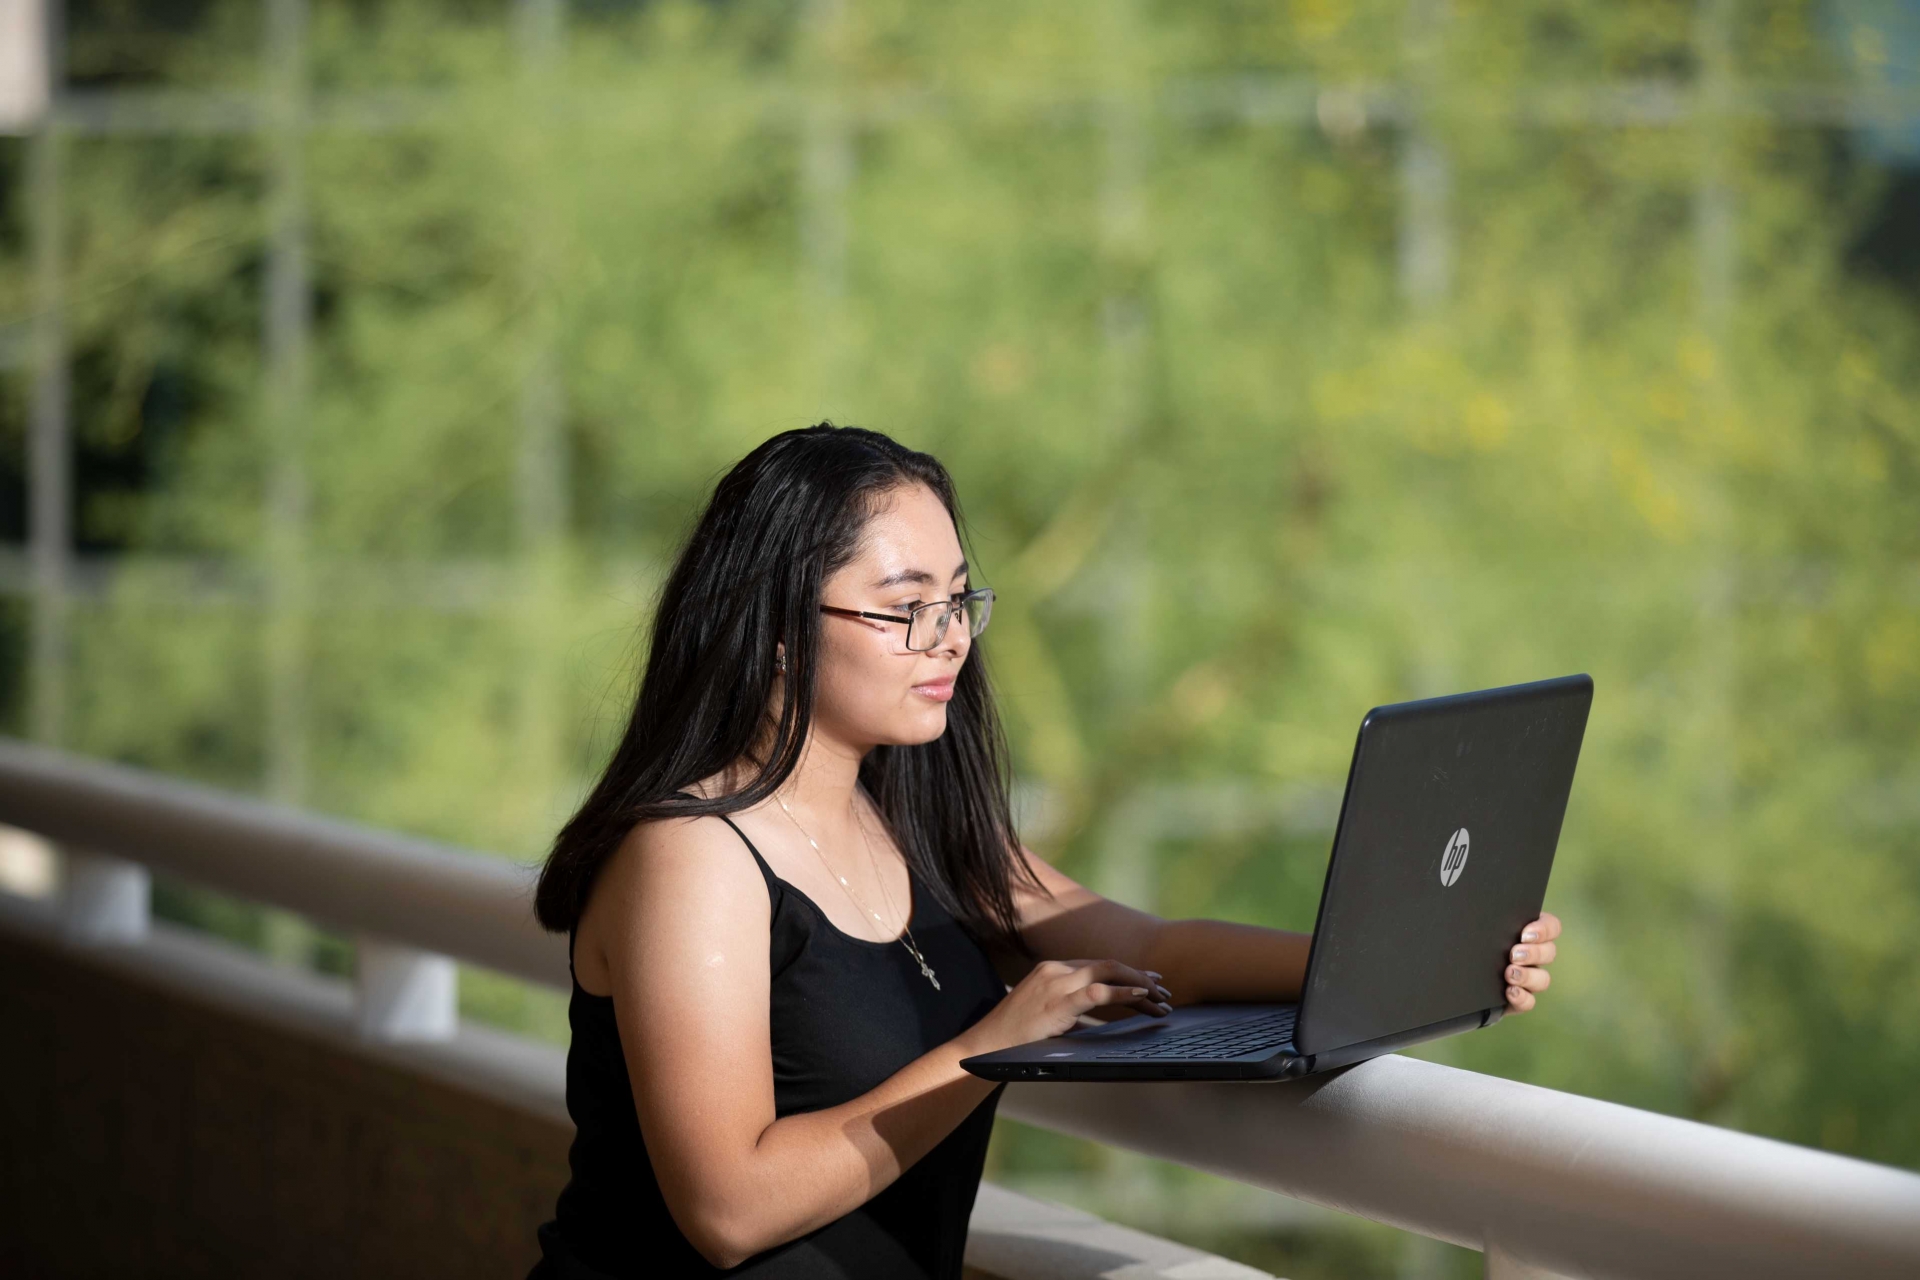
[(1514, 973), (1139, 991), (1155, 976), (1513, 993), (1521, 953), (1530, 935)]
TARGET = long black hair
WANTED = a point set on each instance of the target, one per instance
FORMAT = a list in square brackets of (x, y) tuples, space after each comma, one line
[(788, 516)]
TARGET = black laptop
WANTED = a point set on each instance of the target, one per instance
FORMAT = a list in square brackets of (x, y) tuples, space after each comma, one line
[(1446, 836)]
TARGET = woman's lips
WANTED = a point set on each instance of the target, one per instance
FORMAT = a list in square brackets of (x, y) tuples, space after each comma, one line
[(940, 690)]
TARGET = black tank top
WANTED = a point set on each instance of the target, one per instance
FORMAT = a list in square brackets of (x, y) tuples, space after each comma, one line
[(845, 1015)]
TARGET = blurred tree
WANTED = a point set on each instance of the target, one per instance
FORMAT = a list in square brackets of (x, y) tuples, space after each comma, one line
[(1292, 358)]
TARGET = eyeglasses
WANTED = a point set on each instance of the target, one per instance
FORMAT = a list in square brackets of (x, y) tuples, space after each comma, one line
[(927, 623)]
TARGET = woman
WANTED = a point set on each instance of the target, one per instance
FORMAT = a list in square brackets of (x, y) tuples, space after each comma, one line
[(796, 899)]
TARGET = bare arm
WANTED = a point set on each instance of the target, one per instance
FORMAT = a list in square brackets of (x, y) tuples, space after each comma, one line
[(1197, 960), (683, 935), (1211, 960)]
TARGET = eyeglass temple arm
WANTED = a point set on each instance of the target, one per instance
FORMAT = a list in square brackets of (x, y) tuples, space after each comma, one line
[(861, 613), (894, 617)]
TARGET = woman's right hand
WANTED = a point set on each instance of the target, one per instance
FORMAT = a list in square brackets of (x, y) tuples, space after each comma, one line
[(1050, 1000)]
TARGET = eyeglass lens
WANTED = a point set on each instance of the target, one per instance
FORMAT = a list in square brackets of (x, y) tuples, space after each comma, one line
[(929, 626)]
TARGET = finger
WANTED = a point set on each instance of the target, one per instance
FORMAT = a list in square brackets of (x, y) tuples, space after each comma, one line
[(1531, 979), (1534, 953), (1114, 972), (1545, 929), (1519, 1001), (1141, 998), (1106, 995), (1096, 994)]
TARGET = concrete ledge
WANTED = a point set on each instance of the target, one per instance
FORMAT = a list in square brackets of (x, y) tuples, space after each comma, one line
[(179, 1108)]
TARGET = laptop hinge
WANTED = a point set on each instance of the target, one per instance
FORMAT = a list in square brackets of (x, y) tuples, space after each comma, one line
[(1399, 1040)]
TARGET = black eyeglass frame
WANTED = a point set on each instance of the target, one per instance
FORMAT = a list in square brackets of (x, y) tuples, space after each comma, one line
[(953, 605)]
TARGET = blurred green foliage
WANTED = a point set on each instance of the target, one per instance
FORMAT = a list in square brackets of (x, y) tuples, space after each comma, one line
[(1233, 485)]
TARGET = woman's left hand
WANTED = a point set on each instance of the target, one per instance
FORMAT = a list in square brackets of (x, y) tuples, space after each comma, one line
[(1527, 963)]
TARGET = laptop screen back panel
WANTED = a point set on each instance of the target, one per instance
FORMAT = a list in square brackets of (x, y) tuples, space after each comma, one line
[(1416, 919)]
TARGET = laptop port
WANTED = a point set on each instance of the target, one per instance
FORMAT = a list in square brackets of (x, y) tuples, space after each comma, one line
[(1045, 1071)]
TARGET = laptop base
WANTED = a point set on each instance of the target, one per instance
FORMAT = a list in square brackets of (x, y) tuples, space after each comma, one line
[(1084, 1054)]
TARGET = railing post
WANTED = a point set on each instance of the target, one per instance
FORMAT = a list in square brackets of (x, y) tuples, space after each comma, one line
[(105, 901), (28, 865), (405, 994)]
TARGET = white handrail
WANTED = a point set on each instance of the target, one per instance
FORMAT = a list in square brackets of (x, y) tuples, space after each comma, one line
[(355, 878), (1561, 1183), (1544, 1181)]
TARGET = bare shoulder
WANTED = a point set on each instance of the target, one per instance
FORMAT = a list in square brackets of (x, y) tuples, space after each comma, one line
[(668, 883), (682, 863)]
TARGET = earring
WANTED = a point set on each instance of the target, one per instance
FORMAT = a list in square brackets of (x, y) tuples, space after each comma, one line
[(780, 663)]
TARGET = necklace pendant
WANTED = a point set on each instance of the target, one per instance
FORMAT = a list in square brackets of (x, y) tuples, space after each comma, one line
[(927, 971)]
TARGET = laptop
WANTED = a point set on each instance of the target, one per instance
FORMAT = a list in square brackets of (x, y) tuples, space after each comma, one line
[(1446, 835)]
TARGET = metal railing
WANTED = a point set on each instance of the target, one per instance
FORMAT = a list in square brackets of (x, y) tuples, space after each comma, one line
[(415, 906), (1545, 1183)]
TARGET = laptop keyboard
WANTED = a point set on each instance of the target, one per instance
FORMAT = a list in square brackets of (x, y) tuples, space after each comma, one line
[(1217, 1040)]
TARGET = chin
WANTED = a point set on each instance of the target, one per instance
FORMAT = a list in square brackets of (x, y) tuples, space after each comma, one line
[(922, 730)]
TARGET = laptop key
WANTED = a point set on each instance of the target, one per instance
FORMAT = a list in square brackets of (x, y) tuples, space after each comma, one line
[(1213, 1041)]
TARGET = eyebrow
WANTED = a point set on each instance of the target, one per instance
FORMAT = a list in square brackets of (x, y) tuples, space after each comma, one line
[(919, 577)]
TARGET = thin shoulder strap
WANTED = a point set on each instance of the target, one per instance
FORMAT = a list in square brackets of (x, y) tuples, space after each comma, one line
[(773, 881)]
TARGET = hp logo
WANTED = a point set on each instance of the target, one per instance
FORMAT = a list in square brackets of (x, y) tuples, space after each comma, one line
[(1454, 861)]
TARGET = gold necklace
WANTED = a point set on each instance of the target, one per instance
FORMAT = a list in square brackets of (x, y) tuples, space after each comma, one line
[(906, 931)]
